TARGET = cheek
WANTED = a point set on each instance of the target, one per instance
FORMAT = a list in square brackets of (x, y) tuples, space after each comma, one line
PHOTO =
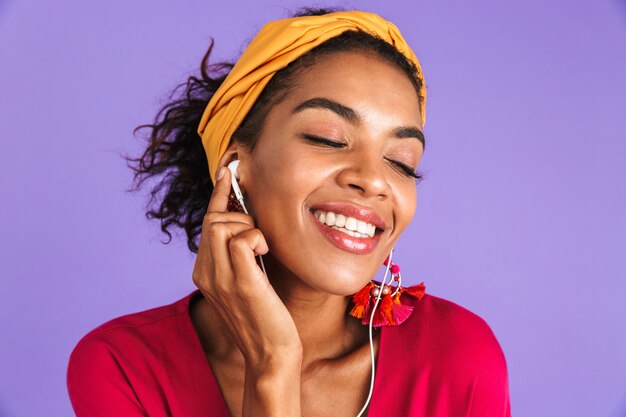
[(406, 202), (289, 172), (279, 184)]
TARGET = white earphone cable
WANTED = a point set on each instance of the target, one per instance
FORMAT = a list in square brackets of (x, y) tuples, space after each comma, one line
[(373, 376)]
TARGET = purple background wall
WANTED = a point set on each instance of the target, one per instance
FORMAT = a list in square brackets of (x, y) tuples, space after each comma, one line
[(521, 218)]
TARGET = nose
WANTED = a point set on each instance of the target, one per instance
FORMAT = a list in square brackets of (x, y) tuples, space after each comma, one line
[(364, 174)]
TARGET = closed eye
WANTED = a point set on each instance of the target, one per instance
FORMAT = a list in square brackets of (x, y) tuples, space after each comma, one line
[(407, 170), (323, 141)]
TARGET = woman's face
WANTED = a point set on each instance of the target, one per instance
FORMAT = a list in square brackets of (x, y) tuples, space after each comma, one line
[(333, 156)]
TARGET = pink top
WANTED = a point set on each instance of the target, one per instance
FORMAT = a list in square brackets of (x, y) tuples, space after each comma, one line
[(442, 361)]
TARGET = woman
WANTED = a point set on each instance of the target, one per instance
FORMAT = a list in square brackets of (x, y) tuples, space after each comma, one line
[(324, 113)]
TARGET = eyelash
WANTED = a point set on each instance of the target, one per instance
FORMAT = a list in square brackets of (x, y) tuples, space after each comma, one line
[(333, 144), (324, 141)]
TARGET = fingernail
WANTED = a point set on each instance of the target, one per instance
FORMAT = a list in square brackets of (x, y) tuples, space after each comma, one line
[(221, 173)]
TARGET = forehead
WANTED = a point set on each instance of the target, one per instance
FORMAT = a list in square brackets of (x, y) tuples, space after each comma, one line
[(362, 81), (356, 66)]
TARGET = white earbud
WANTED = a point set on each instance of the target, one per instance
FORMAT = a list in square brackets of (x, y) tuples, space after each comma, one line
[(233, 166), (234, 175)]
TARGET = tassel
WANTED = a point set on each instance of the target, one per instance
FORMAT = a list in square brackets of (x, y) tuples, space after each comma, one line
[(361, 300), (379, 317), (390, 310), (382, 316), (366, 313), (399, 311), (357, 311), (416, 290), (385, 307)]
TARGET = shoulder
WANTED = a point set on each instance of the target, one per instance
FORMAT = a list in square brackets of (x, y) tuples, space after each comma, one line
[(115, 369), (449, 335), (126, 338), (137, 323), (450, 321), (450, 359), (453, 317)]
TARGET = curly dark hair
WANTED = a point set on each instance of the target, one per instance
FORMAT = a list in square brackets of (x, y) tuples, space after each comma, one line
[(175, 156)]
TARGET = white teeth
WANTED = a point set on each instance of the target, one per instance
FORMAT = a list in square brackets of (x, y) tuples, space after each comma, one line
[(348, 225), (340, 220), (361, 227), (351, 224), (351, 233)]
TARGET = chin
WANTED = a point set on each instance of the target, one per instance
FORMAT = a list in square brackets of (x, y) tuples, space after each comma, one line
[(340, 282)]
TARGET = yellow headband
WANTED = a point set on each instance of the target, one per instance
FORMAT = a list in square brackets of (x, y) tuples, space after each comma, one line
[(274, 47)]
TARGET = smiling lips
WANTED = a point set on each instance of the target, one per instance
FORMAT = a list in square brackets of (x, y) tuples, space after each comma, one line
[(348, 227)]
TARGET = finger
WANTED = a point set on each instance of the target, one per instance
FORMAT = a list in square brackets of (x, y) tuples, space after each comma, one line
[(220, 234), (243, 248), (213, 258), (221, 192), (229, 217)]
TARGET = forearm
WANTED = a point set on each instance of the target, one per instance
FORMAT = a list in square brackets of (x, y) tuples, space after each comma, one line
[(273, 390)]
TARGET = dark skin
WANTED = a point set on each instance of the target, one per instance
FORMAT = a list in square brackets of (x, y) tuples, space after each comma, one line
[(284, 346)]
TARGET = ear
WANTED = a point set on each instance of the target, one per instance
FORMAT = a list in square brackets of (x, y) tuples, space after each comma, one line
[(233, 152)]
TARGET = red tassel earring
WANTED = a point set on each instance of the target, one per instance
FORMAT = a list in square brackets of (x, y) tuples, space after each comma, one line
[(391, 311), (233, 204)]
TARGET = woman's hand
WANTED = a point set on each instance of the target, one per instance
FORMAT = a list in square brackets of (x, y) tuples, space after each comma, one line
[(260, 325)]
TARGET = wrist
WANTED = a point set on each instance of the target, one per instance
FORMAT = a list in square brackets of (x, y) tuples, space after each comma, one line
[(276, 365), (273, 390)]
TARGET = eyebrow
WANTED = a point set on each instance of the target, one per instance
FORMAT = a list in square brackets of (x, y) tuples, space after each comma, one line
[(353, 117)]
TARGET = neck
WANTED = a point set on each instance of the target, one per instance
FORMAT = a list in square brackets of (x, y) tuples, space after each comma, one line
[(326, 329)]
